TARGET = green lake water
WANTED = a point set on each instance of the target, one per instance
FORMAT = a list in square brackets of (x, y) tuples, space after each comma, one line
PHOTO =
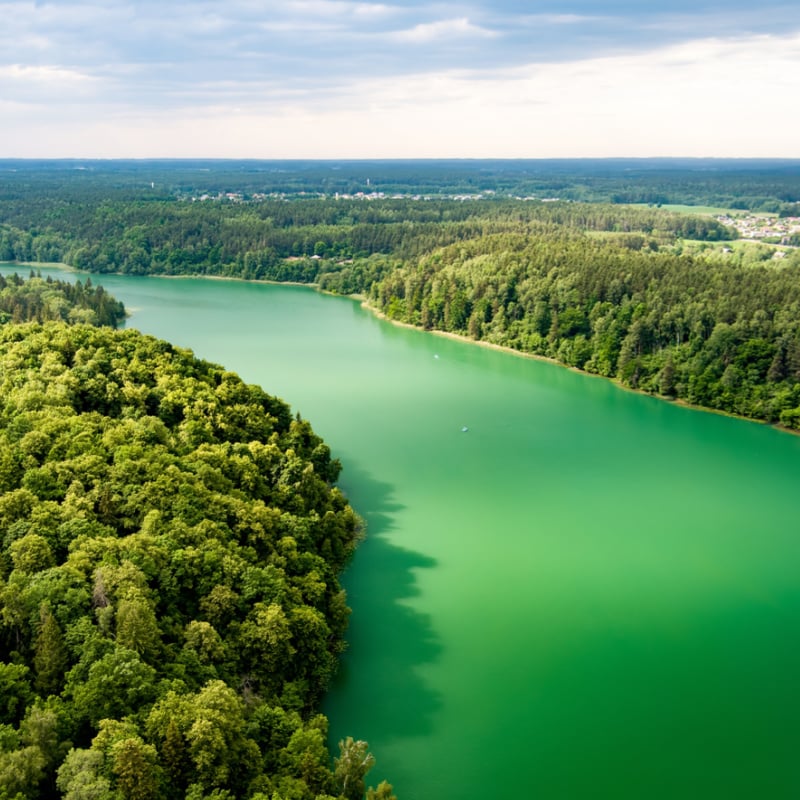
[(587, 594)]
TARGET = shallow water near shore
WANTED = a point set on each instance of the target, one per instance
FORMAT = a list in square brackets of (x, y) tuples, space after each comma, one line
[(588, 593)]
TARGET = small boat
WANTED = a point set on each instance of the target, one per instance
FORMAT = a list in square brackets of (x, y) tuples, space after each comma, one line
[(464, 429)]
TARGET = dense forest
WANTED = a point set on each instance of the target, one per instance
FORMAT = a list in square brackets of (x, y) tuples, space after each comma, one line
[(664, 301), (287, 241), (170, 545), (754, 184), (45, 300)]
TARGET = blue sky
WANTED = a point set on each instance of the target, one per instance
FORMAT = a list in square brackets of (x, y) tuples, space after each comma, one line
[(342, 79)]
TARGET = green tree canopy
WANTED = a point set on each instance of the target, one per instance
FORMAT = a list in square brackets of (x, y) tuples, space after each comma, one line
[(170, 611)]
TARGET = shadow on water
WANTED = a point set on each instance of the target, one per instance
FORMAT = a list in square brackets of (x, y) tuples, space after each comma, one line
[(378, 693)]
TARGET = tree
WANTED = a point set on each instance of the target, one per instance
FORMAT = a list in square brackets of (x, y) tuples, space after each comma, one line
[(666, 378), (306, 756), (173, 752), (351, 767), (117, 684), (383, 791), (21, 771), (15, 692), (216, 736), (266, 638), (135, 769), (79, 777), (32, 553), (50, 659), (137, 627)]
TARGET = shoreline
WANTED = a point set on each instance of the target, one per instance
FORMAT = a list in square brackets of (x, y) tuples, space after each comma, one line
[(74, 270), (677, 401), (365, 304)]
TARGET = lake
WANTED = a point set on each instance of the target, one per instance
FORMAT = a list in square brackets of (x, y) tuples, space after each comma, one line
[(566, 590)]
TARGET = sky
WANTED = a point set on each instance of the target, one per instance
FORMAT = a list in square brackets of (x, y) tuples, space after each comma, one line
[(399, 79)]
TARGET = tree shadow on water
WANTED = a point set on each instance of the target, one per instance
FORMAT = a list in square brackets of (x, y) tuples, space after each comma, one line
[(378, 693)]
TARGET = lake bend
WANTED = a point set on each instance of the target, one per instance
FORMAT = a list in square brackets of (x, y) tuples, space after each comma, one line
[(566, 590)]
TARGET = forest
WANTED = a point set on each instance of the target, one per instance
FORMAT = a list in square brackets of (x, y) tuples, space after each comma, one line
[(280, 240), (171, 541), (663, 301), (754, 184), (46, 300)]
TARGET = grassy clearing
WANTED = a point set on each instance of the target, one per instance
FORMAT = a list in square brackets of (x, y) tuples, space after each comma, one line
[(735, 245), (711, 211)]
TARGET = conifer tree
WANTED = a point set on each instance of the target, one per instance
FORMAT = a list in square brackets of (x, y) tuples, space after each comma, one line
[(50, 659)]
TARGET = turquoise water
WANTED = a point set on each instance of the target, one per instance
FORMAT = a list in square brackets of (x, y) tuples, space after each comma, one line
[(586, 594)]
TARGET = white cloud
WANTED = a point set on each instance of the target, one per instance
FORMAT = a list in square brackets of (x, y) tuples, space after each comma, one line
[(338, 8), (321, 15), (442, 29), (709, 97), (45, 90), (300, 26), (558, 19), (49, 75)]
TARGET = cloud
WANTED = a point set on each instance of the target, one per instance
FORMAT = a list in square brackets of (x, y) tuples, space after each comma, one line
[(42, 74), (559, 19), (427, 32), (709, 97), (334, 78), (180, 46), (300, 26), (327, 15), (339, 8), (44, 85)]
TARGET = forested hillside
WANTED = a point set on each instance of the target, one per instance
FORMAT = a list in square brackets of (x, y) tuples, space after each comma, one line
[(170, 544)]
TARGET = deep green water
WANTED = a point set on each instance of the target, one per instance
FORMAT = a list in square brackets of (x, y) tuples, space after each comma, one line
[(588, 594)]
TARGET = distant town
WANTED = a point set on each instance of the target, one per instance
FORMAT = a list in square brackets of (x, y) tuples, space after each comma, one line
[(758, 227), (241, 197)]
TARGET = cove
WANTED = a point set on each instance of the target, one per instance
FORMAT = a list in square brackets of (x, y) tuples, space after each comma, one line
[(587, 594)]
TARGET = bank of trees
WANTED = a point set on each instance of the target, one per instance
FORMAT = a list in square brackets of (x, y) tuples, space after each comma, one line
[(300, 240), (715, 333), (170, 612), (43, 300), (598, 286)]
